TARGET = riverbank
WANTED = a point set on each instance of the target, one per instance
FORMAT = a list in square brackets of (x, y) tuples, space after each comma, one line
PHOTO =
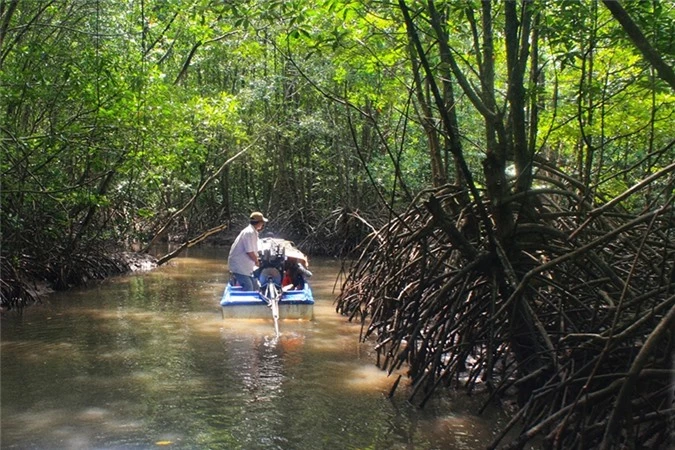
[(21, 285), (32, 277)]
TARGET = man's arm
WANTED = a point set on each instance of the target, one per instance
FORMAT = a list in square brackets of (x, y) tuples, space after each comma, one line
[(254, 257)]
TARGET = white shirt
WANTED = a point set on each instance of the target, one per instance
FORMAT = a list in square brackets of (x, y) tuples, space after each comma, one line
[(239, 261)]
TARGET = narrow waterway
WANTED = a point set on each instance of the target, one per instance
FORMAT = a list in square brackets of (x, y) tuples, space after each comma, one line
[(146, 361)]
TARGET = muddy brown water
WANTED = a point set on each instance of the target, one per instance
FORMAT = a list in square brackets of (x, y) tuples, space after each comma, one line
[(146, 361)]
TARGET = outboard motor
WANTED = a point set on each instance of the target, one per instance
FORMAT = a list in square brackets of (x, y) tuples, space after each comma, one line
[(271, 263)]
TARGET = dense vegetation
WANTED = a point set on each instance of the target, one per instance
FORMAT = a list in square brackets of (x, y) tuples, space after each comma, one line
[(511, 161)]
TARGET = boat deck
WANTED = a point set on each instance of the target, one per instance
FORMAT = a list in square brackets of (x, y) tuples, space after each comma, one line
[(294, 304)]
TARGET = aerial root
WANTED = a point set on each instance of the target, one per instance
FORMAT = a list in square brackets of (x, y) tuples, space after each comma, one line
[(561, 313)]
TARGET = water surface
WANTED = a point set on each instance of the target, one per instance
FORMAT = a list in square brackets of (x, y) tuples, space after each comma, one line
[(146, 361)]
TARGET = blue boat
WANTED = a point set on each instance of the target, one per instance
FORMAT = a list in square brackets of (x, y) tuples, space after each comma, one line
[(293, 304), (272, 300)]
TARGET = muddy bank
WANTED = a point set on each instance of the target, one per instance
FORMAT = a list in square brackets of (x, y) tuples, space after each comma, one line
[(24, 283)]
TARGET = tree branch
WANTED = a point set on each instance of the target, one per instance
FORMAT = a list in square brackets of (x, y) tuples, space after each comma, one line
[(665, 71), (193, 199)]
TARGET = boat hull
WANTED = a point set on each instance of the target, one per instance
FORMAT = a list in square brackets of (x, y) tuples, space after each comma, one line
[(240, 304)]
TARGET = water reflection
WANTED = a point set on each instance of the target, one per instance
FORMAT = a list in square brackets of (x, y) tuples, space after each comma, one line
[(147, 361)]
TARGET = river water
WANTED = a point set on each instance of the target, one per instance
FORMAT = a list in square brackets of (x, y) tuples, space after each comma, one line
[(146, 361)]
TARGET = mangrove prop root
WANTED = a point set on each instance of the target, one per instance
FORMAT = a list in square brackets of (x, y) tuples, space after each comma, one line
[(573, 309)]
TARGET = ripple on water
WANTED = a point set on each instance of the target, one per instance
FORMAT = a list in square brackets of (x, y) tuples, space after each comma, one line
[(147, 361)]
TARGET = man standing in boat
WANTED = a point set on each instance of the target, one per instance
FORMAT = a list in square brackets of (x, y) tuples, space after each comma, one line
[(243, 258)]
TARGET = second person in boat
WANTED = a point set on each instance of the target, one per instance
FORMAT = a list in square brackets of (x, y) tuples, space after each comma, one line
[(294, 275)]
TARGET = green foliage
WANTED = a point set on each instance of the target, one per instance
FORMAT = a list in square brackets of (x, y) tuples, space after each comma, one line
[(605, 92), (115, 113)]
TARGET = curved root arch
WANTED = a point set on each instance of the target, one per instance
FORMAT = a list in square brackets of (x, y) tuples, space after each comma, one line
[(560, 309)]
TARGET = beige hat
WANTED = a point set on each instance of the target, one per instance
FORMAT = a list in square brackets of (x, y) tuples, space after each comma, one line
[(257, 217)]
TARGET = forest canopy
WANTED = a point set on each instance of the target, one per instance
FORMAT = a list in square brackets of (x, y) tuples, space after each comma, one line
[(516, 157), (116, 114)]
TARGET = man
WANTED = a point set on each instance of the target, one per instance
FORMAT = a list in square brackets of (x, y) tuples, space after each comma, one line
[(243, 258)]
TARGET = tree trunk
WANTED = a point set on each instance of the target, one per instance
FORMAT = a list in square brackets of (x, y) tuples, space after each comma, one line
[(664, 70)]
